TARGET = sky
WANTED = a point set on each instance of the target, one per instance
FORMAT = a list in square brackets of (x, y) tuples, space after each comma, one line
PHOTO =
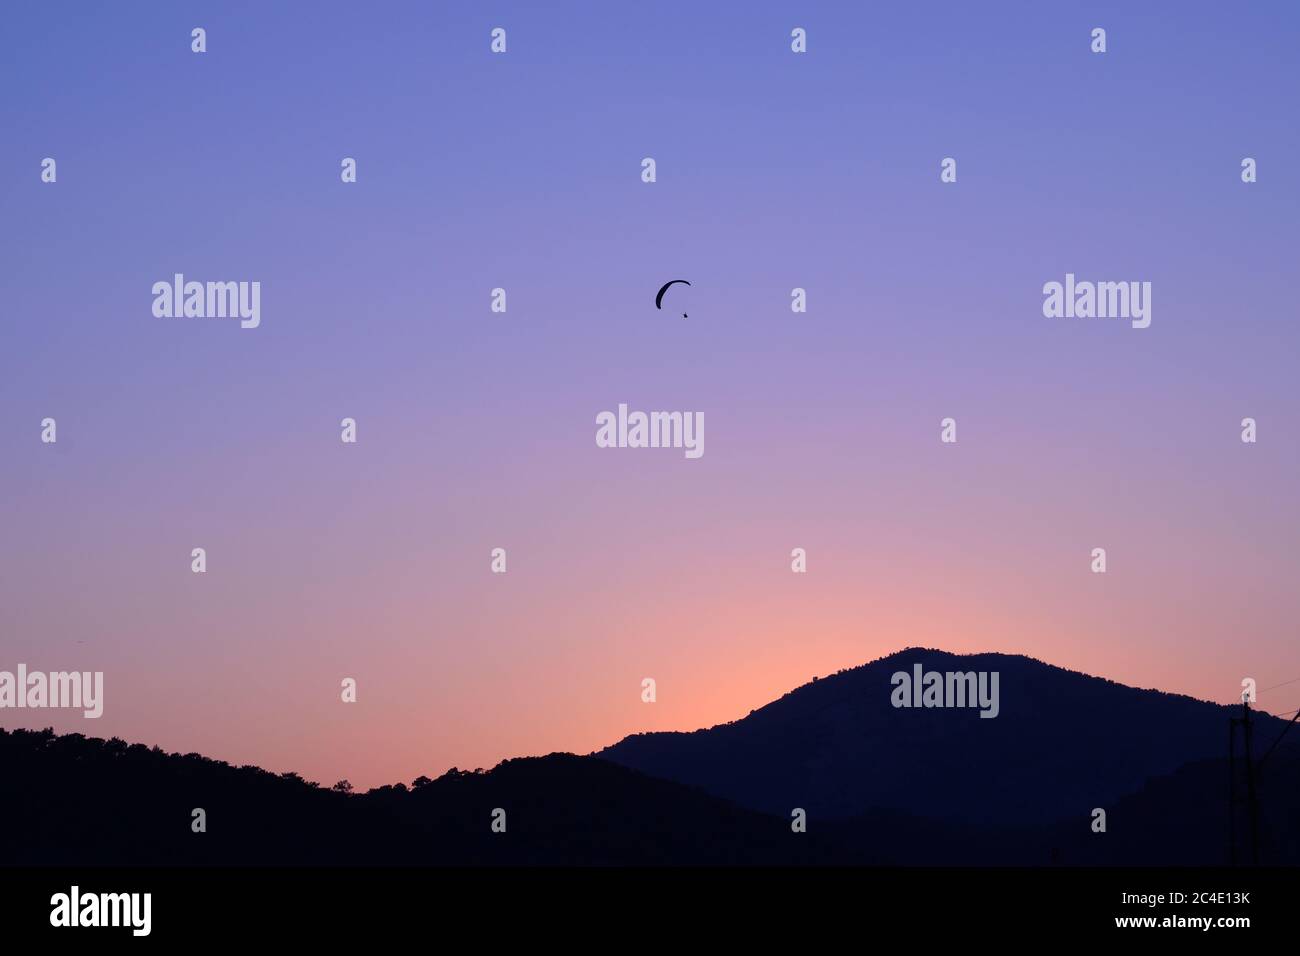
[(475, 429)]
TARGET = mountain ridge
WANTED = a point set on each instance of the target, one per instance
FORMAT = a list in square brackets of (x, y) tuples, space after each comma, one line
[(837, 746), (1025, 787)]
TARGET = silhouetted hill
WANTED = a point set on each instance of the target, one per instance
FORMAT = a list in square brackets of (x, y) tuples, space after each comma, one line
[(73, 800), (1177, 820), (77, 800), (1181, 819), (1062, 743), (880, 786)]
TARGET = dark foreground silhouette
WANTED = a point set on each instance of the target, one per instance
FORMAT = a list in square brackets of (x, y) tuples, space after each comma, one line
[(946, 788), (1062, 744)]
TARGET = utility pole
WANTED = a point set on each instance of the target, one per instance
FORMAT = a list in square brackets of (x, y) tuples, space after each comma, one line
[(1248, 726), (1252, 802), (1232, 790), (1252, 768)]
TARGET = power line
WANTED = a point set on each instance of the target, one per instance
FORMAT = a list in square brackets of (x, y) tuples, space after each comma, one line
[(1281, 714), (1283, 684), (1273, 746), (1252, 769)]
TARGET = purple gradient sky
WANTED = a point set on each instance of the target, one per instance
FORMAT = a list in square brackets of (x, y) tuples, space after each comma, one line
[(477, 430)]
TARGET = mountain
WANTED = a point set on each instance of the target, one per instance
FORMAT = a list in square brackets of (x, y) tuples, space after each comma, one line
[(1062, 743), (72, 800), (881, 786)]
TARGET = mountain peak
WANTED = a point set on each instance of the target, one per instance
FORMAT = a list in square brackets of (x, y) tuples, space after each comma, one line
[(841, 745)]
